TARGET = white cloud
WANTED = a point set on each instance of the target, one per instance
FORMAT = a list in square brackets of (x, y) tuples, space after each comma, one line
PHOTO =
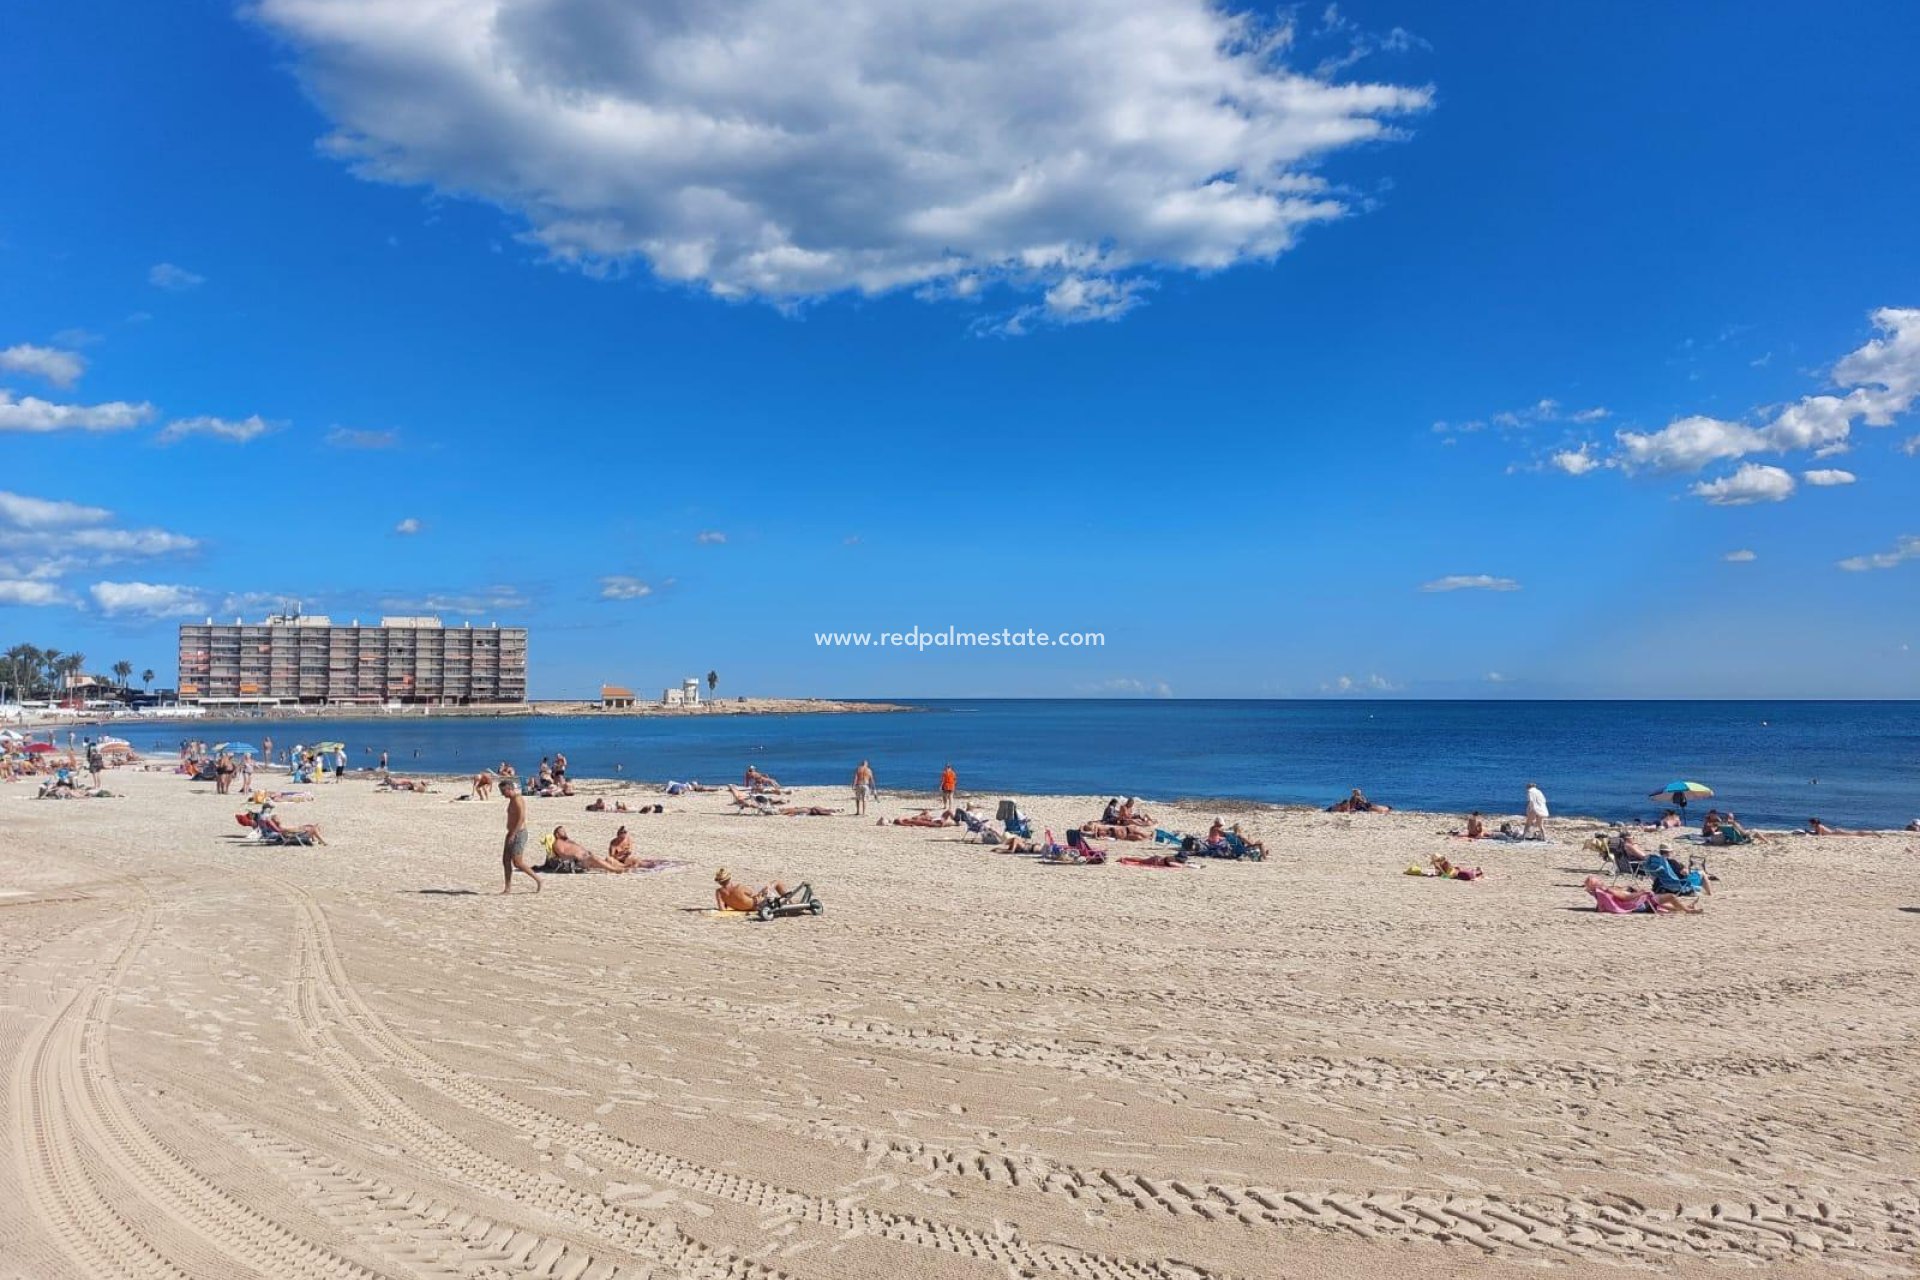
[(1470, 582), (408, 527), (165, 275), (147, 599), (487, 600), (30, 593), (348, 438), (785, 150), (1742, 556), (1751, 483), (1494, 677), (710, 537), (1576, 462), (1884, 380), (1828, 478), (1129, 685), (1911, 446), (1689, 444), (61, 368), (232, 430), (1907, 548), (1594, 414), (46, 538), (1375, 683), (21, 512), (618, 586), (30, 413)]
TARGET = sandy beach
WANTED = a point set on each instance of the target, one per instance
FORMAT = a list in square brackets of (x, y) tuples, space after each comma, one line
[(358, 1060)]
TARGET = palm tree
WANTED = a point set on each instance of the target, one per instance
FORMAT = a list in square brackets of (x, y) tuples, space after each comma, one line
[(123, 672), (72, 665), (49, 674), (23, 661), (713, 682), (146, 677)]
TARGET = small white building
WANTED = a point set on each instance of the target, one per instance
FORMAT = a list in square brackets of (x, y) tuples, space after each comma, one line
[(687, 695), (673, 697)]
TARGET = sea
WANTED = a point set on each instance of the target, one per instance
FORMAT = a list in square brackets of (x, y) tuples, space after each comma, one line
[(1853, 764)]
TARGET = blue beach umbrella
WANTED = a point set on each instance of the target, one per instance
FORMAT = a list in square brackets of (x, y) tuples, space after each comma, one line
[(1680, 791)]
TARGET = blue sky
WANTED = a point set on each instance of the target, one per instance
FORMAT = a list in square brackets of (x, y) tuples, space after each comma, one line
[(1236, 336)]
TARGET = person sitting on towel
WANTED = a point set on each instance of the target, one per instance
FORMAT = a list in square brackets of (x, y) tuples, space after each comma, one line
[(1357, 802), (563, 848)]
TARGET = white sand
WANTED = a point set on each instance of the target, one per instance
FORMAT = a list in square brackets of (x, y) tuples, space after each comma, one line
[(224, 1060)]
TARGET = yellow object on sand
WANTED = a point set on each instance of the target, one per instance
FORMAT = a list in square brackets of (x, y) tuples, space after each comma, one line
[(546, 842)]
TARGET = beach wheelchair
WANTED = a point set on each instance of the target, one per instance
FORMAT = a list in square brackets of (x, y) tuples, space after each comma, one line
[(797, 901)]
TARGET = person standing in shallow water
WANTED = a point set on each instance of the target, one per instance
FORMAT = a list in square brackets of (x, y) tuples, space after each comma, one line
[(513, 855), (862, 788)]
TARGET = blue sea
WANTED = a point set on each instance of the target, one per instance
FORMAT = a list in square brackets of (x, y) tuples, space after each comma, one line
[(1854, 764)]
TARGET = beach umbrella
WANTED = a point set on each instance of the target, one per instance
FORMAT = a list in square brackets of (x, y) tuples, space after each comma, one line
[(1680, 791), (237, 748), (327, 746), (40, 748)]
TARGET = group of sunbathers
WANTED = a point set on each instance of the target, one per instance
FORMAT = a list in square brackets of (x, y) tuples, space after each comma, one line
[(1357, 802), (565, 854), (1121, 820)]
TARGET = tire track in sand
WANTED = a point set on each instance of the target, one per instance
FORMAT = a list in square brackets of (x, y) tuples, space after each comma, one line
[(324, 980), (66, 1107)]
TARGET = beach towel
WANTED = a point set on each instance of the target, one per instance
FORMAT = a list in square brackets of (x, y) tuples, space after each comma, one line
[(1608, 905)]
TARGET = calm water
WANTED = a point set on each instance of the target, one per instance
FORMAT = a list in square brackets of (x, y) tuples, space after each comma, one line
[(1852, 763)]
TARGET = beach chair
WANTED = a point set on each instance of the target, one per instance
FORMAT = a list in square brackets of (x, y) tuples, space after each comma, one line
[(1240, 849)]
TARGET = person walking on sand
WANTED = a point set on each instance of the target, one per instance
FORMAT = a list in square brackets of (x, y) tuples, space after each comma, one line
[(513, 855), (862, 788), (1535, 826), (949, 781)]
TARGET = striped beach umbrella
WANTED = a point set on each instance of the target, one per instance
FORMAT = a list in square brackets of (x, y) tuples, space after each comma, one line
[(1680, 791)]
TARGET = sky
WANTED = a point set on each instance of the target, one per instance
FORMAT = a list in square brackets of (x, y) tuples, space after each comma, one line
[(1384, 350)]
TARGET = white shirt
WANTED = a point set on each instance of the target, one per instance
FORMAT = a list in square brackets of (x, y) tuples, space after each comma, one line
[(1536, 802)]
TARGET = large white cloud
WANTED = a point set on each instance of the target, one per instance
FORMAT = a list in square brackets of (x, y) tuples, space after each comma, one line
[(1907, 548), (147, 599), (1750, 484), (787, 149), (1882, 379), (42, 539), (31, 413), (30, 593), (60, 367), (19, 511)]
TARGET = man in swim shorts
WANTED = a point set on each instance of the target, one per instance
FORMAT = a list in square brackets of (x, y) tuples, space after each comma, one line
[(513, 855)]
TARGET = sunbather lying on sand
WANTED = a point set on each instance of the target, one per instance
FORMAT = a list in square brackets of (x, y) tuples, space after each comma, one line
[(562, 848), (1117, 831), (1815, 827), (1358, 803), (924, 818), (807, 811), (402, 784), (730, 896), (1018, 844), (1616, 900)]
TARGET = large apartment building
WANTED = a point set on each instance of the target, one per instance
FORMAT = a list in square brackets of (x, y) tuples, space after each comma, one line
[(311, 661)]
